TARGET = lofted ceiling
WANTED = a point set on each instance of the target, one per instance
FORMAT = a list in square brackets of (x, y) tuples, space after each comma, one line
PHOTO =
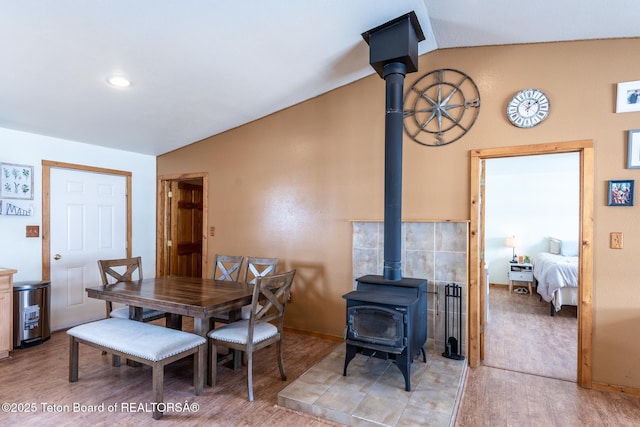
[(199, 68)]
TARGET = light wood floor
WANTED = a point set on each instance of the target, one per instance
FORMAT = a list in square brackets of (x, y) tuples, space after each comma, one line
[(492, 396), (529, 373), (39, 375), (521, 335)]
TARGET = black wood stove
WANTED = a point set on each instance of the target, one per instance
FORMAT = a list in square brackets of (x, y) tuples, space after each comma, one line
[(387, 315), (387, 319)]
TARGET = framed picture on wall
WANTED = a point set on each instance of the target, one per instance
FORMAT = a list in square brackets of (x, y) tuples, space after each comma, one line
[(633, 149), (628, 97), (16, 181), (621, 193)]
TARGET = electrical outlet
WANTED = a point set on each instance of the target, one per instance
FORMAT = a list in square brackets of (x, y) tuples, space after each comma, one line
[(33, 231), (615, 240), (212, 231)]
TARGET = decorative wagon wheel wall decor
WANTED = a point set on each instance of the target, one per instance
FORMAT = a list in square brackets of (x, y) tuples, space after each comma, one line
[(441, 107)]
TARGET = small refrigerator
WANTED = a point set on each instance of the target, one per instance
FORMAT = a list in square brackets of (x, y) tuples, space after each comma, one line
[(31, 304)]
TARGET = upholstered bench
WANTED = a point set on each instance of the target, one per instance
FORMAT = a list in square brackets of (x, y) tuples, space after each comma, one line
[(149, 344)]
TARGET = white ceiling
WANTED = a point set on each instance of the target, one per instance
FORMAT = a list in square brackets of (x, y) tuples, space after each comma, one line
[(199, 68)]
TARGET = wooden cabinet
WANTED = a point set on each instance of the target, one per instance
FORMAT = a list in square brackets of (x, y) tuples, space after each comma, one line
[(6, 310)]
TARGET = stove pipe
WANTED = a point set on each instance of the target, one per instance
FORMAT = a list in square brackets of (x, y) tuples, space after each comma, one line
[(394, 77), (393, 52)]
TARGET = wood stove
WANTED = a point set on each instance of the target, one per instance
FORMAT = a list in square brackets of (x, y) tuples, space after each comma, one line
[(387, 319), (387, 315)]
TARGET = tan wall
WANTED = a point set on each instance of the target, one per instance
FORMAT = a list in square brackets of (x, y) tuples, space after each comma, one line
[(287, 185)]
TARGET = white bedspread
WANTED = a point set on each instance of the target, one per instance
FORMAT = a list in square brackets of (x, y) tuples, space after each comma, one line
[(554, 272)]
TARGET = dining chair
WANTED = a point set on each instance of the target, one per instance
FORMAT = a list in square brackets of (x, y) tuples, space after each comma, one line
[(120, 270), (259, 267), (263, 328), (227, 267)]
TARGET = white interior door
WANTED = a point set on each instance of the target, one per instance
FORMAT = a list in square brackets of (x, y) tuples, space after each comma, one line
[(88, 222)]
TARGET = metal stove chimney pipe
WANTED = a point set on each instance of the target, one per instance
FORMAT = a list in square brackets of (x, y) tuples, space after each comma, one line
[(393, 52), (394, 73)]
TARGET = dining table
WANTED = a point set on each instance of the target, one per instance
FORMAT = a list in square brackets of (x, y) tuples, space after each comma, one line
[(179, 296)]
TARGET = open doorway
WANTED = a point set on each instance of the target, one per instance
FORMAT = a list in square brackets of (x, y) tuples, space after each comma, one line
[(181, 239), (477, 286), (530, 203)]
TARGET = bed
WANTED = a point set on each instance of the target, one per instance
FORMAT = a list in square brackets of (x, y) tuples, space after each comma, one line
[(556, 274)]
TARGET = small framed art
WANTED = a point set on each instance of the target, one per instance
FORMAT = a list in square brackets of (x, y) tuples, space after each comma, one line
[(620, 193), (628, 97), (633, 149), (16, 181)]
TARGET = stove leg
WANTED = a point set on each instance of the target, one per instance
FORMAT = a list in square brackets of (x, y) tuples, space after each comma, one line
[(403, 361), (350, 354)]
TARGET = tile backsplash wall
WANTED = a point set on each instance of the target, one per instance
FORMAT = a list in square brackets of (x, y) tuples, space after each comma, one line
[(436, 251)]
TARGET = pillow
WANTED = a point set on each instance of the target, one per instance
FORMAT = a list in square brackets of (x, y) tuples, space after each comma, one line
[(555, 245), (569, 248)]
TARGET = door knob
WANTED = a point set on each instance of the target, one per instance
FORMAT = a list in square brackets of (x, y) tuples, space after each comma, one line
[(57, 256)]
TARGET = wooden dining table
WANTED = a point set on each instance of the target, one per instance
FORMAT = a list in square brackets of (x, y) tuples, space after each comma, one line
[(179, 296)]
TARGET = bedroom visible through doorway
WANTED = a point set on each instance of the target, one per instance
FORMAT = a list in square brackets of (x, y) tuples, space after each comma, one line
[(530, 203), (477, 288)]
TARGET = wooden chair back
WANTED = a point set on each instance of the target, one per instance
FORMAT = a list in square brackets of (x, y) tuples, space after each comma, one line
[(270, 296), (119, 270), (259, 267), (110, 272), (227, 268)]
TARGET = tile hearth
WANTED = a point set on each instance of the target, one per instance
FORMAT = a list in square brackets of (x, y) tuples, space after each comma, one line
[(373, 392)]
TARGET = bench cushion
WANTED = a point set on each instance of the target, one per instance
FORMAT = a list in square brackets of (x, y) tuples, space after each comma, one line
[(150, 342)]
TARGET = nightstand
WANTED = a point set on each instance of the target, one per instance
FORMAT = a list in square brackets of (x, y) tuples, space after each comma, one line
[(520, 272)]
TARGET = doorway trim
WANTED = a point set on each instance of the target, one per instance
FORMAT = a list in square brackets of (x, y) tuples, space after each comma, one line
[(46, 206), (162, 201), (585, 263)]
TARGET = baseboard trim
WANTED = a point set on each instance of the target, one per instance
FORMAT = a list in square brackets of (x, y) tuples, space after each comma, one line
[(615, 388), (313, 334), (498, 285)]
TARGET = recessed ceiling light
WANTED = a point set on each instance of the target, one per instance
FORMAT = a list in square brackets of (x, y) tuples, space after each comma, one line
[(118, 81)]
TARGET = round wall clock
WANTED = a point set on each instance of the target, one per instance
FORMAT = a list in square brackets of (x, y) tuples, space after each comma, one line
[(528, 108), (441, 107)]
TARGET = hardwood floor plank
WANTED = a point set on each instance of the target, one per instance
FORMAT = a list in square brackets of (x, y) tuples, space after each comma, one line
[(491, 396), (521, 336), (529, 372), (39, 375), (498, 397)]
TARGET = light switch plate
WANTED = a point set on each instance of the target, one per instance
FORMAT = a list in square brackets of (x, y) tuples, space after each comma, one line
[(33, 231), (615, 241)]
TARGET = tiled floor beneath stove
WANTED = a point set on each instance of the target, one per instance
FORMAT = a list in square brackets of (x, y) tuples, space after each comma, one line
[(373, 392)]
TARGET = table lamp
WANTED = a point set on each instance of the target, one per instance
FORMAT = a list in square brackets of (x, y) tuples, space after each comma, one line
[(512, 242)]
